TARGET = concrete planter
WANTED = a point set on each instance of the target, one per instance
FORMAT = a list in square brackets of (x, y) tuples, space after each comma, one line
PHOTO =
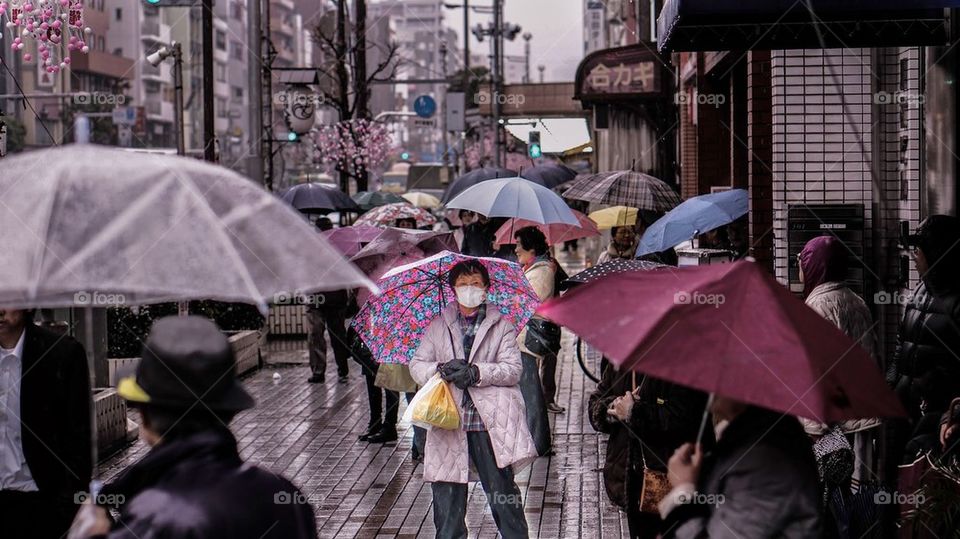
[(110, 412), (246, 347), (287, 321)]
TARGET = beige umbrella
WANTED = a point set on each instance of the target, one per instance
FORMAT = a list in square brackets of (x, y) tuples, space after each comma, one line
[(422, 200)]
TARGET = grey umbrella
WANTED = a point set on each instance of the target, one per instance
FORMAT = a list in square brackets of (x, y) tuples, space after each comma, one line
[(89, 225)]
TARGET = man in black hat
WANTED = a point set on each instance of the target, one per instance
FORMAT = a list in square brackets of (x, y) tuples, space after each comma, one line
[(45, 441), (193, 482), (929, 336)]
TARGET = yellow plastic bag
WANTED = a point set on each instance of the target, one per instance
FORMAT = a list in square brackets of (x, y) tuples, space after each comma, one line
[(433, 406)]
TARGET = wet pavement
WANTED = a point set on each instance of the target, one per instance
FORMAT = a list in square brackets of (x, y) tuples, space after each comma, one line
[(309, 434)]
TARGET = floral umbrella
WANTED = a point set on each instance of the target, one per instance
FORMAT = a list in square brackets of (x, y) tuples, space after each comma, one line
[(393, 323), (388, 214)]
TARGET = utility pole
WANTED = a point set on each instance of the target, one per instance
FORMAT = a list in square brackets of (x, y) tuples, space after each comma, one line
[(208, 74), (541, 69), (466, 46), (526, 62), (495, 78), (255, 83), (266, 95), (361, 88), (443, 105)]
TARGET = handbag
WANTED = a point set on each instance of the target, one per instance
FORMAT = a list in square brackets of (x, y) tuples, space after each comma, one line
[(656, 484), (395, 377), (543, 337)]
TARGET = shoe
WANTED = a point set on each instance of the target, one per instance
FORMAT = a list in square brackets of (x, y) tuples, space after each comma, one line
[(555, 408), (342, 379), (386, 434), (315, 379), (372, 430)]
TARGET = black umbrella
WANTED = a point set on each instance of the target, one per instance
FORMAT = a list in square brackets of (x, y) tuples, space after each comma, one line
[(368, 200), (617, 265), (549, 175), (474, 177), (318, 198)]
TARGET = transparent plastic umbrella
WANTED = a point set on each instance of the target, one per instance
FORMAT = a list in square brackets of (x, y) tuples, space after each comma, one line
[(94, 226)]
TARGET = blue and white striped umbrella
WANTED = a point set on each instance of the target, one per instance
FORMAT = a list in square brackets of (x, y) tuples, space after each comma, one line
[(515, 197)]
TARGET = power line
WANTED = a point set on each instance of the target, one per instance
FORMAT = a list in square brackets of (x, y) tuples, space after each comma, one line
[(27, 100)]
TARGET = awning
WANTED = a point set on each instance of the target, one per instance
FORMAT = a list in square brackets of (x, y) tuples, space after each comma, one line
[(297, 76), (712, 25)]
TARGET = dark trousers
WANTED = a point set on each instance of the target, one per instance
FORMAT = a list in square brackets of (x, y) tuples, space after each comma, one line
[(419, 434), (32, 515), (503, 495), (376, 397), (536, 407), (548, 377), (333, 322)]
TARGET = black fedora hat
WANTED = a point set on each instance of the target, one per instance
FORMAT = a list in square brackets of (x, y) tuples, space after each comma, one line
[(186, 362)]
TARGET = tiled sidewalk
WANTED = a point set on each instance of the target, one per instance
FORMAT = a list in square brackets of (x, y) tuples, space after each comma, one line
[(309, 434)]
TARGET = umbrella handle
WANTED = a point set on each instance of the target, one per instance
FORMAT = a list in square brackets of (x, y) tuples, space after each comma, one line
[(703, 420)]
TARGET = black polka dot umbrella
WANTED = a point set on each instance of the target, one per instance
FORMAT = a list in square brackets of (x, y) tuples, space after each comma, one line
[(607, 269)]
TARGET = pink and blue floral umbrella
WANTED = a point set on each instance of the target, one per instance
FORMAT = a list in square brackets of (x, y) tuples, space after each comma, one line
[(393, 323)]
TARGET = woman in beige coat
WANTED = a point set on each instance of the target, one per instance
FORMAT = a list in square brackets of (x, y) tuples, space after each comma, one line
[(540, 270), (475, 350)]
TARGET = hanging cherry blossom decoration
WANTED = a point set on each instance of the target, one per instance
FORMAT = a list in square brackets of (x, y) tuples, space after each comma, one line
[(56, 26), (353, 146)]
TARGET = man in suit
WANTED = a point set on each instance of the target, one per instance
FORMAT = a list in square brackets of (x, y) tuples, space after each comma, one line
[(45, 440)]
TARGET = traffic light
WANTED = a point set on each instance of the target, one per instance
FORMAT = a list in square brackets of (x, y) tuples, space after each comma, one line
[(292, 136), (533, 145), (405, 156)]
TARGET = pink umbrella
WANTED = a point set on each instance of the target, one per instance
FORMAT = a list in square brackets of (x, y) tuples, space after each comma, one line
[(387, 215), (555, 232), (729, 329), (395, 247), (350, 239)]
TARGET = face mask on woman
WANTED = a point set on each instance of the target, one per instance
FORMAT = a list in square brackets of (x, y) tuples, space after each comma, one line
[(470, 296)]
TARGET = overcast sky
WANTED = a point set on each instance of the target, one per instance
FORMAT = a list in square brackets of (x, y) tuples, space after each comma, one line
[(556, 25)]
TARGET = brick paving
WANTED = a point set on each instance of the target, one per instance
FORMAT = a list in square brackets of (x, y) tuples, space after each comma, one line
[(309, 434)]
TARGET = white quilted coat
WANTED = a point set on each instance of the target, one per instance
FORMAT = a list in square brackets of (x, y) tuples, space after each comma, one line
[(540, 275), (497, 397)]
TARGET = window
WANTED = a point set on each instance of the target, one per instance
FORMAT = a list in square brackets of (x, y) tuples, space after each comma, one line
[(119, 14), (118, 51), (237, 92), (103, 44), (237, 10), (237, 50), (221, 107), (221, 71), (221, 40)]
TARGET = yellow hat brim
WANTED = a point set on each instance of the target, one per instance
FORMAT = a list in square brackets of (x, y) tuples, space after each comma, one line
[(129, 389)]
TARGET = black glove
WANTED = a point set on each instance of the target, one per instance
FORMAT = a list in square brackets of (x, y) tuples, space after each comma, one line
[(465, 376), (450, 367)]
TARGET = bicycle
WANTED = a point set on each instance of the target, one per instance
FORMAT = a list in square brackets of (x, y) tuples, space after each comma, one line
[(589, 359)]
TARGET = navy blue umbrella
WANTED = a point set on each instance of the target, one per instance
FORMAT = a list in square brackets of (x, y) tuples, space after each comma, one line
[(474, 177), (318, 198), (549, 175), (693, 217)]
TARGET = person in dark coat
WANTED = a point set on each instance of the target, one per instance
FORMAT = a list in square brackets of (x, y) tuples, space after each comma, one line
[(193, 482), (328, 313), (759, 481), (478, 237), (929, 336), (647, 419), (45, 446)]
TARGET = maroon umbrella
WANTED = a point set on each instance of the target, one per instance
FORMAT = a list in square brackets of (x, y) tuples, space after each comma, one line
[(350, 239), (397, 246), (729, 329)]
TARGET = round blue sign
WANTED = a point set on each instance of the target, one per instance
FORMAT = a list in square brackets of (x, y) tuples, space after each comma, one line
[(425, 106)]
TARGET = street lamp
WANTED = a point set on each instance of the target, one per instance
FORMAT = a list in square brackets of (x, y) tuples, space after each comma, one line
[(526, 51), (155, 59)]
